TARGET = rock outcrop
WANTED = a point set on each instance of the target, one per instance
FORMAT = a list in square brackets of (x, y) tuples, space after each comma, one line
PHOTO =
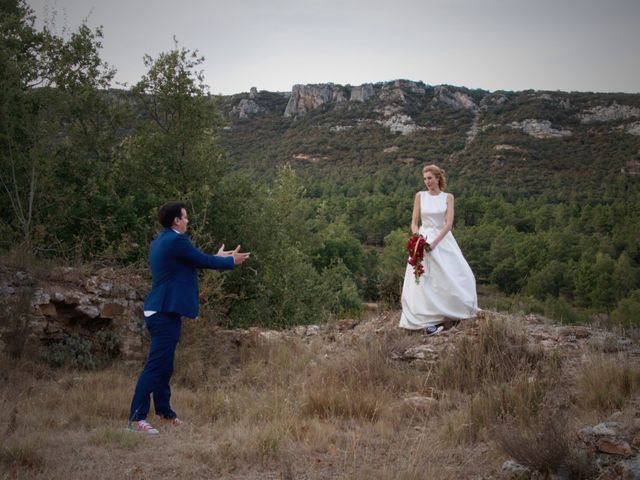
[(631, 169), (305, 98), (362, 93), (539, 128), (395, 91), (611, 113), (400, 123), (633, 129), (458, 100), (246, 108)]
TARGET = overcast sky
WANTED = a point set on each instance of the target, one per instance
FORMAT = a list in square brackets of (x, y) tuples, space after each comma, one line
[(581, 45)]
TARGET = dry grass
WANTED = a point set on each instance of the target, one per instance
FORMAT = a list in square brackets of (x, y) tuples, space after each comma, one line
[(23, 457), (497, 354), (541, 444), (605, 384), (320, 408)]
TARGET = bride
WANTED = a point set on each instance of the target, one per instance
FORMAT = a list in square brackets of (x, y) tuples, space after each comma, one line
[(447, 289)]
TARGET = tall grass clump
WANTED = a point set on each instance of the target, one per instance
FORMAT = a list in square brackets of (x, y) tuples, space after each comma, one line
[(501, 375), (21, 458), (362, 382), (605, 384), (498, 354), (540, 444)]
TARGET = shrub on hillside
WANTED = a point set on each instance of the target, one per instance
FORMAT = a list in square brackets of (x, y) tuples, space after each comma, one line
[(627, 312)]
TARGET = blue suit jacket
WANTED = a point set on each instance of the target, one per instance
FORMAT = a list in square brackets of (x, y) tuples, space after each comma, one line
[(174, 262)]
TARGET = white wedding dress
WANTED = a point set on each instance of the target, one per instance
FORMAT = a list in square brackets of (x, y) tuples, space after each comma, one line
[(447, 289)]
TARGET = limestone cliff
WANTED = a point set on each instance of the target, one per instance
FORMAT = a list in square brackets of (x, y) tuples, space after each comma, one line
[(456, 100), (308, 97)]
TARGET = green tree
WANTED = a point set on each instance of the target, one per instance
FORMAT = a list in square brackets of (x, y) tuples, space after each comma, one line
[(627, 312), (172, 151), (21, 136), (56, 129), (550, 280), (625, 277), (393, 265)]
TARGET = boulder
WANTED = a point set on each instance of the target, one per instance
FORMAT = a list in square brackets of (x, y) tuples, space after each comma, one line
[(613, 446), (512, 470)]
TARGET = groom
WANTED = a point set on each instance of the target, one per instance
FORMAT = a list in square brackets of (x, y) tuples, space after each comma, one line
[(174, 262)]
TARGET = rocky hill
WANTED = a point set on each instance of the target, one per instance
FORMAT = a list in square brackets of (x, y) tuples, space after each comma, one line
[(514, 139)]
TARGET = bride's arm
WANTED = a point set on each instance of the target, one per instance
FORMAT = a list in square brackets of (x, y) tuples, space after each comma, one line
[(415, 217), (448, 222)]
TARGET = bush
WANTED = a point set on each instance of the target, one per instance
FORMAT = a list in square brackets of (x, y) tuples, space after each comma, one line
[(83, 353), (72, 352), (393, 264), (343, 298), (540, 444), (560, 310), (107, 345), (17, 316), (627, 312)]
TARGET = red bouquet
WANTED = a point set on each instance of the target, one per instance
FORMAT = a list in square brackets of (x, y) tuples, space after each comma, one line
[(416, 246)]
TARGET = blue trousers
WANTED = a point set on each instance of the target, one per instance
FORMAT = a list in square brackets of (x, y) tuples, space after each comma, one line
[(154, 379)]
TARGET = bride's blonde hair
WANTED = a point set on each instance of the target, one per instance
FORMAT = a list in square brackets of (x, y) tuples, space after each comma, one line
[(439, 173)]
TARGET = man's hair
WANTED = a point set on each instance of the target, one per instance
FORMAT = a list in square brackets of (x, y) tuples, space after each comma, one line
[(169, 211)]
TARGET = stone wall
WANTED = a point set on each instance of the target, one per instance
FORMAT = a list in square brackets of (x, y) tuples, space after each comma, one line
[(65, 301)]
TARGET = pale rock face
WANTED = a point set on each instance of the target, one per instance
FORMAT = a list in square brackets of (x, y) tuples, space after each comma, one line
[(362, 93), (558, 102), (389, 110), (632, 168), (457, 100), (253, 92), (305, 98), (400, 123), (391, 92), (340, 128), (506, 147), (609, 114), (494, 99), (539, 128), (395, 91), (412, 87), (247, 108), (634, 129)]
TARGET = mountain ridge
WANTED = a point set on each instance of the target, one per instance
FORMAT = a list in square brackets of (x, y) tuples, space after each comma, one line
[(451, 126)]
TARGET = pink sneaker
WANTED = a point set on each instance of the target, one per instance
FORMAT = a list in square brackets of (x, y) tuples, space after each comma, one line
[(174, 422), (143, 426)]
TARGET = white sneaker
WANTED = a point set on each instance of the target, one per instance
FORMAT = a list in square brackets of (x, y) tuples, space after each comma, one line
[(432, 330), (143, 426)]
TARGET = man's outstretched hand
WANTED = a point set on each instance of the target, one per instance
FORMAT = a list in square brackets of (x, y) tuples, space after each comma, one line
[(238, 257)]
